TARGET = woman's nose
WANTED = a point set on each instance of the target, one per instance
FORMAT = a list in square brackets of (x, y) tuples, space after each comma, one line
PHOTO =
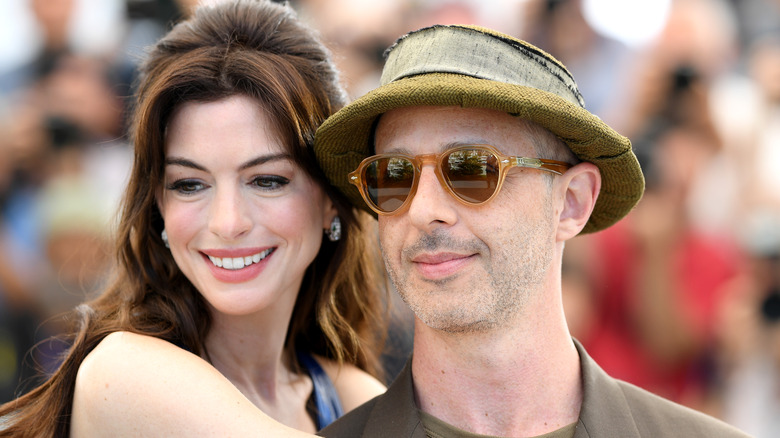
[(230, 217)]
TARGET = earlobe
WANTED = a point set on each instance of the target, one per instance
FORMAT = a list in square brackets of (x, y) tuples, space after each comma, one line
[(581, 184), (332, 226)]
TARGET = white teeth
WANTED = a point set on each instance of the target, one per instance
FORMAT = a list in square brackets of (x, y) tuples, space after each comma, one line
[(217, 262), (234, 263)]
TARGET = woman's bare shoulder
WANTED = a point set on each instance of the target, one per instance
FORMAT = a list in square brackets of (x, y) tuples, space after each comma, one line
[(354, 385), (122, 379), (126, 345), (123, 356), (132, 385), (123, 360)]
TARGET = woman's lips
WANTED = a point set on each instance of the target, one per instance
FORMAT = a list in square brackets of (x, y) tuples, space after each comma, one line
[(239, 262), (237, 266)]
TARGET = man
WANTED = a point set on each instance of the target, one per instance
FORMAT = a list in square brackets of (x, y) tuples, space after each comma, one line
[(472, 235)]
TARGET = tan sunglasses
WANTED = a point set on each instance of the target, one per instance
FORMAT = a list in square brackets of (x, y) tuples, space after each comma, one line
[(473, 174)]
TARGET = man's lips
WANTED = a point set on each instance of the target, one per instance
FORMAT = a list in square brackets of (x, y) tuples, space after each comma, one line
[(440, 265), (433, 259)]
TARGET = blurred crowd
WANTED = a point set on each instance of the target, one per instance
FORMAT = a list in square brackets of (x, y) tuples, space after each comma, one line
[(682, 297)]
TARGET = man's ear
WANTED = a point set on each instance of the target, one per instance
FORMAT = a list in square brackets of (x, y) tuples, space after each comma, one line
[(581, 185)]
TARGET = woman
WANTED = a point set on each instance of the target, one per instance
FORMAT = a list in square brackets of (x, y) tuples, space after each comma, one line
[(226, 297)]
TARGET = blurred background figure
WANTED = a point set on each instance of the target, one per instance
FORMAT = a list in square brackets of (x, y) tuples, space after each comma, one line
[(64, 161), (656, 279), (655, 285), (679, 298), (359, 31), (600, 62), (749, 337)]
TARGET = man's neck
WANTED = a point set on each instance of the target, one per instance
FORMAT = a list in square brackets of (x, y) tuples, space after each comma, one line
[(518, 381)]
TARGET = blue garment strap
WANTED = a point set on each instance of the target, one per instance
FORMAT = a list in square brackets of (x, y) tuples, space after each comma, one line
[(326, 399)]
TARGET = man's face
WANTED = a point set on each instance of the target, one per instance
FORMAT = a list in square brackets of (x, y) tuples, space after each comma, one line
[(466, 268)]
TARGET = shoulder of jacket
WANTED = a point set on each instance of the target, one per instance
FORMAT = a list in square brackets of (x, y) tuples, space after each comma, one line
[(655, 415), (352, 423)]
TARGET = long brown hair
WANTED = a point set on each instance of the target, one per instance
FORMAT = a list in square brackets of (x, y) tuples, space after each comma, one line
[(258, 49)]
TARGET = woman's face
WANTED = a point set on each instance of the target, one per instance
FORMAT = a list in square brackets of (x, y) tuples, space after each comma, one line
[(243, 220)]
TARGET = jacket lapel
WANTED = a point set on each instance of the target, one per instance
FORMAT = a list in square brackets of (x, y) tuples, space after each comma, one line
[(395, 414), (604, 410)]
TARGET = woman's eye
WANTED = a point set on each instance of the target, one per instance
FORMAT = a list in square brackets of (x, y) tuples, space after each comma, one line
[(186, 186), (270, 182)]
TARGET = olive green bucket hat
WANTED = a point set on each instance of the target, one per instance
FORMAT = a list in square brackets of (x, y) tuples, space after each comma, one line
[(474, 67)]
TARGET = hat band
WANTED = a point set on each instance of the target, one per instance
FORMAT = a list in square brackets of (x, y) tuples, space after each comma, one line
[(459, 50)]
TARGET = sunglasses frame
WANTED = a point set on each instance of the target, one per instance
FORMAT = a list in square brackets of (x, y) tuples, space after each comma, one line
[(506, 162)]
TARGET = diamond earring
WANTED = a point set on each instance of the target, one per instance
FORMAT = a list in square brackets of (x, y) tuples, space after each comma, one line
[(334, 232), (164, 236)]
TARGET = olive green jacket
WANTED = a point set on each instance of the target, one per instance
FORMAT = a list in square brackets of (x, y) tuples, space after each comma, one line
[(610, 408)]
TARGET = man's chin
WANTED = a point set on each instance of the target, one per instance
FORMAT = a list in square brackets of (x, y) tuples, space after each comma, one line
[(454, 323)]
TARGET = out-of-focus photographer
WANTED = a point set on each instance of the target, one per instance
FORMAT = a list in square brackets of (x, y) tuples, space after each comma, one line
[(63, 160), (749, 336)]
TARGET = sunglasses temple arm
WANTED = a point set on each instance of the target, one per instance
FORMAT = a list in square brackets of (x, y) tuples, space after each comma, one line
[(553, 166)]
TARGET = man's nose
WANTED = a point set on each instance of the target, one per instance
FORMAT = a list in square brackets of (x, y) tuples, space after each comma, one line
[(432, 204)]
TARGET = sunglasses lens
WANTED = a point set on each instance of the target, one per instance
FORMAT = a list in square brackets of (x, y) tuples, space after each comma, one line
[(471, 173), (388, 182)]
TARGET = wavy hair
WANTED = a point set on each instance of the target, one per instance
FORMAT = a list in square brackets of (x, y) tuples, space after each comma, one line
[(261, 50)]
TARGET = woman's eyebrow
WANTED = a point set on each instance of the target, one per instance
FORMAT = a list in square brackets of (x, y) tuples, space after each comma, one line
[(264, 159), (180, 161)]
